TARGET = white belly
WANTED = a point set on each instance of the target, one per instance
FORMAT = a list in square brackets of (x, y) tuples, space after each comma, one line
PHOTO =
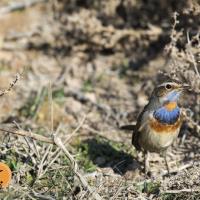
[(156, 141)]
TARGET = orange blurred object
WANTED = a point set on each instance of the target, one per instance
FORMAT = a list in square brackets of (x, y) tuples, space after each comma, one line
[(5, 175)]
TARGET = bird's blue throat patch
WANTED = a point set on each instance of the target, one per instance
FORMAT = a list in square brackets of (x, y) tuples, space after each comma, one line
[(167, 116), (173, 96)]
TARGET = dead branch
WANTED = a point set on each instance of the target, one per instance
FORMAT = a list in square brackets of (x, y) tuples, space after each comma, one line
[(27, 134), (57, 153), (191, 55), (181, 191), (19, 6), (190, 121), (58, 142), (12, 84), (181, 168)]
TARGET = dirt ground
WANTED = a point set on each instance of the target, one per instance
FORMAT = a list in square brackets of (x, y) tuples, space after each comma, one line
[(86, 68)]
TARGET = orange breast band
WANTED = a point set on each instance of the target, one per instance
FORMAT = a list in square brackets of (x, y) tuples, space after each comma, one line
[(164, 128), (171, 106)]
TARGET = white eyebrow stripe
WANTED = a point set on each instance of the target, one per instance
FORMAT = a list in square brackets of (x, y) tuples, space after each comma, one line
[(163, 84)]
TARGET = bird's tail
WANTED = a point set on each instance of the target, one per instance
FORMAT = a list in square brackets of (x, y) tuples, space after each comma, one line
[(129, 127)]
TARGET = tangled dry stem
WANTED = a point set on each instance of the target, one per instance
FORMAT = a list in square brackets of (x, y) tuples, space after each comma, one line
[(57, 141)]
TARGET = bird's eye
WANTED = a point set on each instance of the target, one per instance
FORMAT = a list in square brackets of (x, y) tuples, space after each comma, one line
[(168, 86)]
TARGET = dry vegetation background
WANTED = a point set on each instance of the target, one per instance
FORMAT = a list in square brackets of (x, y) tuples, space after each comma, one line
[(103, 59)]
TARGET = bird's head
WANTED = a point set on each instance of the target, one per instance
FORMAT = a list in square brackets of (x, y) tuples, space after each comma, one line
[(169, 92)]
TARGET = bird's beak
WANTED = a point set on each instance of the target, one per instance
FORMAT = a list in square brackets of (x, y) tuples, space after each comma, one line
[(185, 87)]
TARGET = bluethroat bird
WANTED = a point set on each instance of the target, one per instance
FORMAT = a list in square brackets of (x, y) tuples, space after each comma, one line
[(159, 123)]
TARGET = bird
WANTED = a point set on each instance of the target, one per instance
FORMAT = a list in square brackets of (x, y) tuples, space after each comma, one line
[(158, 125)]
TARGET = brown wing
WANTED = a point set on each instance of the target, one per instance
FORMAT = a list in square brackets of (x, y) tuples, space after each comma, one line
[(136, 132)]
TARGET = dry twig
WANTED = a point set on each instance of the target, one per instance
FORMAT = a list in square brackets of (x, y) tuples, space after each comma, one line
[(58, 142), (57, 153), (12, 84), (181, 191), (14, 6)]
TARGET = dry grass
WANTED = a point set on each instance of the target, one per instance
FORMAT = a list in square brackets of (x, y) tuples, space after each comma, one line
[(103, 59)]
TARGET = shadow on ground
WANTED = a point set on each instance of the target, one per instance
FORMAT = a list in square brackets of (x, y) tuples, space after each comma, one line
[(104, 154)]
